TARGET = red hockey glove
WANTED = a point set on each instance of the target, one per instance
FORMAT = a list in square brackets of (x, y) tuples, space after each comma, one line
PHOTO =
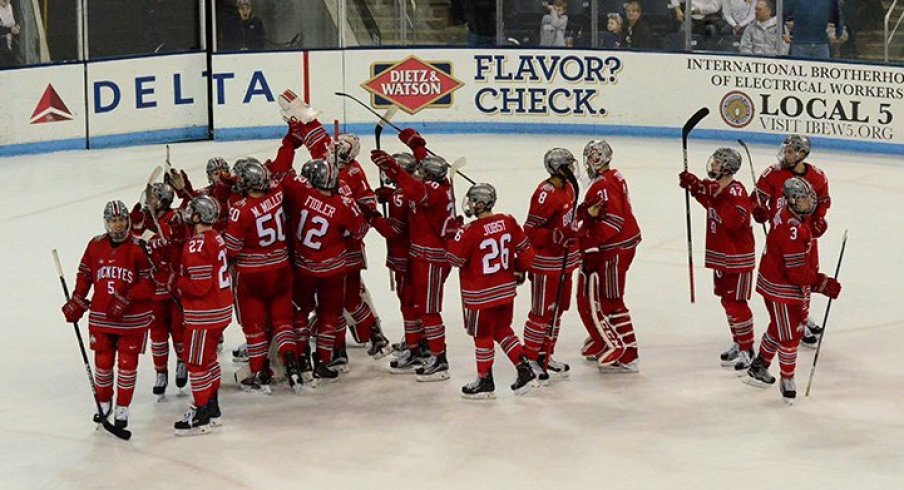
[(119, 306), (164, 277), (295, 135), (591, 263), (760, 214), (179, 230), (563, 238), (819, 227), (827, 286), (75, 308), (687, 180), (592, 209), (370, 214), (412, 139), (452, 227), (383, 160), (384, 194)]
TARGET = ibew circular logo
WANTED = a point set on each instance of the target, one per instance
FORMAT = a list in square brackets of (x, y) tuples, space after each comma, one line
[(736, 109)]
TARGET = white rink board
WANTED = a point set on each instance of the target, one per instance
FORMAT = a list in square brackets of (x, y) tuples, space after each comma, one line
[(23, 90)]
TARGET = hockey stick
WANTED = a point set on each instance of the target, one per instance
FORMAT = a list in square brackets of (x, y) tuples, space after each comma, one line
[(753, 177), (685, 131), (560, 288), (825, 318), (116, 431), (393, 126), (378, 131)]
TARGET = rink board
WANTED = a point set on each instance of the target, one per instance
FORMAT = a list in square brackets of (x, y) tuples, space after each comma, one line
[(169, 98)]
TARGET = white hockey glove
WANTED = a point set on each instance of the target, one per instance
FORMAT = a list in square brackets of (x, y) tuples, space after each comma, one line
[(293, 109)]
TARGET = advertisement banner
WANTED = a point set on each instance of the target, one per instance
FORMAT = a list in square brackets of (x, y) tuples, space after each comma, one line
[(42, 109), (146, 100)]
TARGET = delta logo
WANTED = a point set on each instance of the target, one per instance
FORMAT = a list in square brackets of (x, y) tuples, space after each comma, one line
[(50, 108), (411, 84)]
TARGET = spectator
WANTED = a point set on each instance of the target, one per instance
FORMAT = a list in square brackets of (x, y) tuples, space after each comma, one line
[(553, 25), (244, 31), (637, 32), (480, 17), (760, 37), (9, 31), (738, 14), (614, 36), (706, 17), (811, 18)]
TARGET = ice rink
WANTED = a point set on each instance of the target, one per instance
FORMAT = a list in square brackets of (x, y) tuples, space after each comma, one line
[(683, 422)]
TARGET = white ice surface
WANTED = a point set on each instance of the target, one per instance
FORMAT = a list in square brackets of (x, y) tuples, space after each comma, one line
[(683, 422)]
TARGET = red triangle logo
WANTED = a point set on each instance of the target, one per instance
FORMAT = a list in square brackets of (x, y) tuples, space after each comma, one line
[(50, 108)]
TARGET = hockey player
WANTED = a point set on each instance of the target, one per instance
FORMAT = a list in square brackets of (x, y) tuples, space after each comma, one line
[(205, 288), (729, 247), (117, 268), (549, 229), (256, 238), (431, 222), (164, 256), (786, 278), (610, 236), (768, 200), (492, 253)]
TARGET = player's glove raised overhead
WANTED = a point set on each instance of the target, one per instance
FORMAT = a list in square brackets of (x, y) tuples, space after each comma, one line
[(827, 286), (412, 139), (383, 160), (696, 186), (292, 109), (75, 308)]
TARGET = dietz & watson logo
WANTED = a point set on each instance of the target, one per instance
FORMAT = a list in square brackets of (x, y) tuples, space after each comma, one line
[(50, 108), (736, 109), (412, 84)]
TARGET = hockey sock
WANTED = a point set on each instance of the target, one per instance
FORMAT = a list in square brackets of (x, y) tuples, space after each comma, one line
[(284, 337), (484, 350), (341, 330), (302, 334), (509, 344), (740, 321), (126, 373), (160, 351), (216, 375), (768, 347), (326, 339), (103, 375), (257, 350), (435, 331), (787, 358), (534, 338), (201, 384), (364, 321), (177, 347)]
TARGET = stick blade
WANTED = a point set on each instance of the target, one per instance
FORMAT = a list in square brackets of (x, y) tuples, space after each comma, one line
[(124, 434), (693, 121)]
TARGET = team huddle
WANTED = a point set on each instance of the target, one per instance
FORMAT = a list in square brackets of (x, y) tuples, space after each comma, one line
[(282, 251)]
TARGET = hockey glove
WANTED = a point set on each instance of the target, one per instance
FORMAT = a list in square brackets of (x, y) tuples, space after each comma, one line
[(384, 194), (760, 214), (453, 226), (75, 308), (370, 214), (118, 307), (412, 139), (294, 135), (293, 109), (592, 209), (819, 227), (827, 286), (563, 238), (688, 180), (519, 278), (383, 160)]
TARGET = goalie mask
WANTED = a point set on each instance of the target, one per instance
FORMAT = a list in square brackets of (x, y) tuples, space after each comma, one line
[(160, 196), (215, 167), (800, 196), (324, 175), (202, 209), (406, 161), (347, 148), (434, 168), (117, 221), (480, 199), (597, 155), (724, 161), (793, 150), (253, 176), (557, 159)]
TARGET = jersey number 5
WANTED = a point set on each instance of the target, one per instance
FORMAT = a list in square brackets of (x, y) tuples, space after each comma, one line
[(497, 255)]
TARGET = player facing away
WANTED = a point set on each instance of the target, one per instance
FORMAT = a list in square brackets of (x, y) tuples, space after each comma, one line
[(609, 238), (768, 201), (551, 234), (492, 253), (205, 288), (786, 278), (730, 248), (431, 223), (256, 239), (116, 267)]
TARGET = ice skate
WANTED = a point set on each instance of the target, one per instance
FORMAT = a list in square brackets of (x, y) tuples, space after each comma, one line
[(758, 374), (539, 372), (556, 369), (526, 380), (812, 333), (480, 389), (304, 366), (788, 389), (181, 375), (619, 367), (323, 375), (121, 417), (160, 383), (743, 361), (196, 422), (293, 373), (399, 348), (379, 344), (730, 356), (435, 369), (240, 353), (407, 363), (99, 418), (340, 362), (213, 410), (257, 383)]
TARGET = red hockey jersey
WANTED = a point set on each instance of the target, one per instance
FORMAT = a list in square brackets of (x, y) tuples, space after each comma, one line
[(786, 272), (116, 269), (729, 235), (395, 229), (488, 251), (256, 233), (618, 227), (770, 192), (205, 284), (550, 209)]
